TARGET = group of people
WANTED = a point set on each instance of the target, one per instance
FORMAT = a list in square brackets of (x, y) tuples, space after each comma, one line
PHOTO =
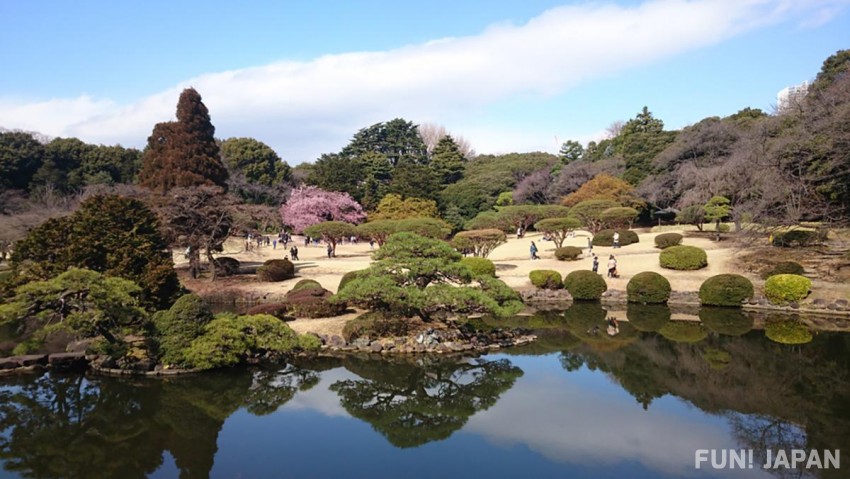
[(612, 266)]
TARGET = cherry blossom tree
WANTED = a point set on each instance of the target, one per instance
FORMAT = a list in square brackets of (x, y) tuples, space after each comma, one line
[(310, 205)]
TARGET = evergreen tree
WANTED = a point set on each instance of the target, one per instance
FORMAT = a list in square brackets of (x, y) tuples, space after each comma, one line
[(183, 153), (447, 161)]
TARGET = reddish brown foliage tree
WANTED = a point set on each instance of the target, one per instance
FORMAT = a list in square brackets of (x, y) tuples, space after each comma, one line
[(183, 153)]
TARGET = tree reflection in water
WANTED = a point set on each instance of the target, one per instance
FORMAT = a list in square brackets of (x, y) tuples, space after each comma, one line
[(415, 401), (71, 426)]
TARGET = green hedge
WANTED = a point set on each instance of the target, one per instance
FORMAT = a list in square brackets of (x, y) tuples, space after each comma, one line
[(276, 270), (479, 266), (784, 288), (666, 240), (585, 285), (649, 288), (725, 290), (787, 331), (606, 238), (546, 279), (785, 267), (568, 253), (683, 258)]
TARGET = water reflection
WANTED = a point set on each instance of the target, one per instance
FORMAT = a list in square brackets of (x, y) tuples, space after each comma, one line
[(421, 400), (70, 426), (579, 402)]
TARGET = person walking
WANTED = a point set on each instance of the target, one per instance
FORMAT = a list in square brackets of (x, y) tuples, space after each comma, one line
[(612, 267), (590, 243), (533, 251), (294, 253), (595, 264), (330, 250), (616, 239), (274, 244)]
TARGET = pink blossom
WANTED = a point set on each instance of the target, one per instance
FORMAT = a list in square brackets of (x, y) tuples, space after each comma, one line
[(309, 205)]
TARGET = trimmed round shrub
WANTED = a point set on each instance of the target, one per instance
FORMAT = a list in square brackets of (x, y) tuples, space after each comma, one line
[(725, 290), (313, 303), (729, 322), (568, 253), (306, 284), (275, 270), (787, 331), (666, 240), (226, 266), (683, 258), (648, 317), (684, 331), (785, 267), (784, 288), (479, 266), (585, 285), (546, 279), (606, 238), (648, 287), (349, 277), (278, 310), (375, 325)]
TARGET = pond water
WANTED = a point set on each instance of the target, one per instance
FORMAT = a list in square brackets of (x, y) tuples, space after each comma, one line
[(577, 403)]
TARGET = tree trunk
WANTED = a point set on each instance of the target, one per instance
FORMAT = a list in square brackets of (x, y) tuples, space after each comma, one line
[(717, 230)]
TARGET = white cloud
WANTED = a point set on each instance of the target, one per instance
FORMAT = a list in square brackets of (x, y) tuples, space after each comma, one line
[(305, 108)]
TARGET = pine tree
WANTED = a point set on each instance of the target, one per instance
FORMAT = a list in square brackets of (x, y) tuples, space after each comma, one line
[(183, 153)]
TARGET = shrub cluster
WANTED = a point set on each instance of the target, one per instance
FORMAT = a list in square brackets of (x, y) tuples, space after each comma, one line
[(585, 285), (275, 270), (800, 238), (226, 266), (784, 288), (568, 253), (725, 290), (229, 339), (177, 327), (546, 279), (648, 287), (606, 238), (479, 266), (785, 267), (374, 325), (312, 302), (666, 240), (683, 258)]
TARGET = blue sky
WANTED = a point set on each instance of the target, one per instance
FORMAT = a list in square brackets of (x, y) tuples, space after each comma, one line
[(305, 76)]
